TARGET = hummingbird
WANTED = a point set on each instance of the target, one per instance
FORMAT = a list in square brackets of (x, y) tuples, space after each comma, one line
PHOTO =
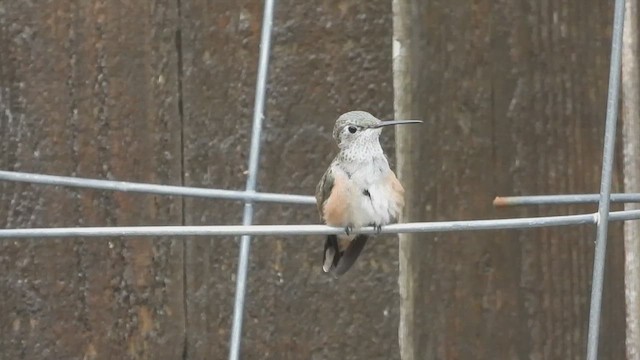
[(358, 189)]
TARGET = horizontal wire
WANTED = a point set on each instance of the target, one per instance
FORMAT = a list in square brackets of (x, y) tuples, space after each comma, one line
[(134, 187), (501, 201), (227, 230)]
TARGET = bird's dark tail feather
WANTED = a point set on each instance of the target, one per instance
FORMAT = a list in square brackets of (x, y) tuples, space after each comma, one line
[(331, 249), (343, 261)]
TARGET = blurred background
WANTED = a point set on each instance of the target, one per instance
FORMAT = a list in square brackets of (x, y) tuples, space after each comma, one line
[(513, 94)]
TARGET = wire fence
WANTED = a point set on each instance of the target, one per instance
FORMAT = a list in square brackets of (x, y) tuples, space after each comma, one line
[(249, 196)]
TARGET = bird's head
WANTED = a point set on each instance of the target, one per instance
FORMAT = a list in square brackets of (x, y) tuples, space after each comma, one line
[(360, 127)]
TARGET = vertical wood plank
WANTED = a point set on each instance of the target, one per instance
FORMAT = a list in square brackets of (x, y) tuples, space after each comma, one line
[(515, 94), (328, 58), (89, 88), (631, 173)]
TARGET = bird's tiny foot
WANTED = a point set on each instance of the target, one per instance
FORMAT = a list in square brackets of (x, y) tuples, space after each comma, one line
[(377, 227), (348, 229)]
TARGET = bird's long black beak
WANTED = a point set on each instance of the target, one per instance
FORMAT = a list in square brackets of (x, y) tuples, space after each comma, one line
[(396, 122)]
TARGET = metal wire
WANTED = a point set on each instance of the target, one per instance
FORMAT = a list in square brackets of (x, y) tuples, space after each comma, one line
[(144, 188), (502, 201), (252, 179), (300, 230), (605, 184)]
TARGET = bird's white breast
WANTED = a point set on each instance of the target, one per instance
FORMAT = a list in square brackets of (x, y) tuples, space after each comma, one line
[(380, 207)]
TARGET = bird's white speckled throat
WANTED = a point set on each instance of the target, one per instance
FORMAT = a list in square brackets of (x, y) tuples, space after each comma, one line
[(361, 148)]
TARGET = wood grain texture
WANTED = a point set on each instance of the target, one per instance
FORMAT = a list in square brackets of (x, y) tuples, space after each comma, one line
[(163, 92), (89, 88), (219, 40), (327, 58), (514, 95), (631, 171)]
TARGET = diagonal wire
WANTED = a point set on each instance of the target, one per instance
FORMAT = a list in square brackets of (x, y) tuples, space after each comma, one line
[(605, 184), (145, 188), (252, 179)]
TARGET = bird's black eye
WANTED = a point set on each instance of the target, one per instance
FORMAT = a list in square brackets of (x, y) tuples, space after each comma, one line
[(353, 129)]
